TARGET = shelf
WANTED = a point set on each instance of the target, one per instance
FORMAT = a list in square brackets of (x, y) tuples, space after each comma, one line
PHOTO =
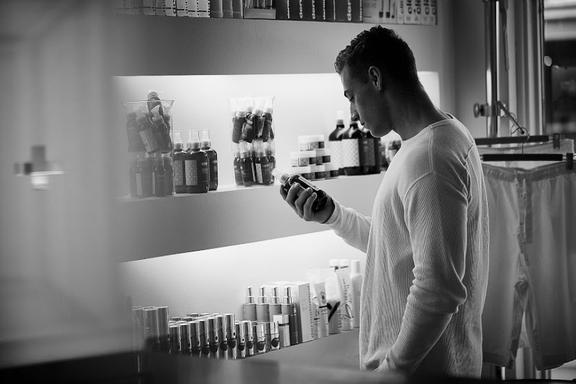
[(340, 350), (164, 226), (202, 46)]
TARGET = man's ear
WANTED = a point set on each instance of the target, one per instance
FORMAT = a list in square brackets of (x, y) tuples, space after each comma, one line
[(375, 78)]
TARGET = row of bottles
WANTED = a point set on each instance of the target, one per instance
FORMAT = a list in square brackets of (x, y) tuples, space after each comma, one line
[(151, 174), (254, 163), (196, 166), (355, 151)]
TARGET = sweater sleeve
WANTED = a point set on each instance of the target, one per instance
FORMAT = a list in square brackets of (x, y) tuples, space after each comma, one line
[(436, 218), (350, 225)]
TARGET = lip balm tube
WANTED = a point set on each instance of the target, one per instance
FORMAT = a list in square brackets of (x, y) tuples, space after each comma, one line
[(261, 345), (262, 306), (274, 336), (185, 337), (249, 308), (213, 336), (241, 334), (289, 309), (163, 331), (249, 334), (174, 330), (283, 329), (205, 337), (151, 333), (195, 339)]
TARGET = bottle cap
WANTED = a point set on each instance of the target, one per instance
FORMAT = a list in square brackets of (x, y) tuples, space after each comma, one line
[(334, 263), (344, 263), (355, 264)]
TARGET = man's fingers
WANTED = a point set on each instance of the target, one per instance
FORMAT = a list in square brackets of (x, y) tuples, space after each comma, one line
[(307, 208), (301, 201)]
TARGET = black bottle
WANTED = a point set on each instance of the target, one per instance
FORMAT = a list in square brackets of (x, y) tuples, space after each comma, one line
[(351, 149), (205, 144), (179, 168), (246, 164), (196, 169), (287, 181), (159, 176), (335, 142), (169, 174), (367, 153)]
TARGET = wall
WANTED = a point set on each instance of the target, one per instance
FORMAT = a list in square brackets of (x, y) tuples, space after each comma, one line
[(469, 77), (59, 287)]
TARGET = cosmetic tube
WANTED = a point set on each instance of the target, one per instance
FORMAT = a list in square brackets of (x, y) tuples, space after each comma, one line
[(249, 308), (163, 331), (184, 337), (205, 337), (174, 330), (138, 328), (241, 340), (283, 329), (261, 346), (195, 338), (262, 306), (231, 335), (223, 340), (274, 336), (275, 306), (215, 330), (289, 309), (249, 335), (151, 333)]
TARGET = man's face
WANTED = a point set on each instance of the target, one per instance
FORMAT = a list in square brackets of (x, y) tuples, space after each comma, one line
[(367, 101)]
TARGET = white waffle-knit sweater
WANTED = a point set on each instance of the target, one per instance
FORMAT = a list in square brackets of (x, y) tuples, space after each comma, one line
[(427, 257)]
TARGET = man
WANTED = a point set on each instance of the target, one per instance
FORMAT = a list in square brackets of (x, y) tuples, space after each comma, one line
[(427, 238)]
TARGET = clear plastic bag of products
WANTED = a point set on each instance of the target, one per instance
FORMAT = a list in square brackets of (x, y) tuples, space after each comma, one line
[(253, 140), (149, 124)]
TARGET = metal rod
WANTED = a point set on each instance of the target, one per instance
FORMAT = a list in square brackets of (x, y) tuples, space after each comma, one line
[(492, 36)]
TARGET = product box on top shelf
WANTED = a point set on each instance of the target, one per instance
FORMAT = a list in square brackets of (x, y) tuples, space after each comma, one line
[(379, 11)]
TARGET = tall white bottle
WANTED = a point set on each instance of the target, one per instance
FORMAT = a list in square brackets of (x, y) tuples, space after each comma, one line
[(356, 278)]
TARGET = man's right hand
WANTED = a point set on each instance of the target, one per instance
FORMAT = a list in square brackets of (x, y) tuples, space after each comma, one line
[(301, 200)]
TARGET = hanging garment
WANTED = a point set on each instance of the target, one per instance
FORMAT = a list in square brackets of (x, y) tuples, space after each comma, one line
[(532, 264)]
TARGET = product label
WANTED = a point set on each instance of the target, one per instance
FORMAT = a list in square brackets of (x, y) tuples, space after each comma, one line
[(259, 173), (191, 172), (179, 172), (350, 153), (335, 148)]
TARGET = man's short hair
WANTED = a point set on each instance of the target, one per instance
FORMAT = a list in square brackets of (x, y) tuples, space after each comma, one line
[(380, 47)]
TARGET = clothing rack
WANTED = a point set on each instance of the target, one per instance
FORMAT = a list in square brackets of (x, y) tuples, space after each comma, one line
[(568, 157)]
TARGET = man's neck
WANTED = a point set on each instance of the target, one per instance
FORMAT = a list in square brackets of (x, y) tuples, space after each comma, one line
[(413, 112)]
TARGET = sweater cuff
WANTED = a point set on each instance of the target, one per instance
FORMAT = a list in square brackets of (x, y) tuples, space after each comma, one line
[(335, 216)]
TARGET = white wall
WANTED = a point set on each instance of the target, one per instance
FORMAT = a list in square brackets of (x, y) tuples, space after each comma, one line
[(215, 280)]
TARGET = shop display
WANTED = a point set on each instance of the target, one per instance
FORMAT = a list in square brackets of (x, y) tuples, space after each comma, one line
[(148, 131), (253, 140)]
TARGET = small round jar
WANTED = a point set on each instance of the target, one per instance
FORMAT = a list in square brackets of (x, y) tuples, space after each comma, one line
[(310, 155), (306, 172), (319, 171), (299, 160)]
